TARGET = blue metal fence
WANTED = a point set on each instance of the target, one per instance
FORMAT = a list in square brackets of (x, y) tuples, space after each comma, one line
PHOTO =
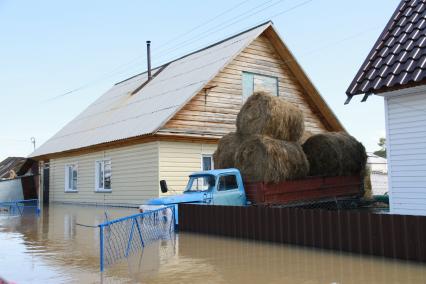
[(19, 207), (122, 237)]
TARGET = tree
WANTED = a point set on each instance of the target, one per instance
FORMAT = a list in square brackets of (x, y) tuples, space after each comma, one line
[(382, 151)]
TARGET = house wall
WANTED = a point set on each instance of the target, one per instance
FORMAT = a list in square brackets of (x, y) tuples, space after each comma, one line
[(406, 150), (215, 112), (179, 159), (134, 175)]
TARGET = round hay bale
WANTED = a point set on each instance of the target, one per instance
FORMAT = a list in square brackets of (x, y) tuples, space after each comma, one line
[(305, 136), (334, 154), (368, 189), (265, 114), (264, 159), (353, 154), (324, 155), (224, 156)]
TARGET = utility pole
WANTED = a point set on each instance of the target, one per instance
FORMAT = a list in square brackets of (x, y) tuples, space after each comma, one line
[(34, 142)]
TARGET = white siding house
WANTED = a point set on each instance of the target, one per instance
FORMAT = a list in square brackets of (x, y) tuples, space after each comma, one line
[(396, 69), (405, 112)]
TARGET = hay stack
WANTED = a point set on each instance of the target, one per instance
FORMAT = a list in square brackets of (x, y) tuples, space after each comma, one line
[(368, 189), (335, 154), (305, 136), (265, 114), (224, 156), (264, 159), (353, 154)]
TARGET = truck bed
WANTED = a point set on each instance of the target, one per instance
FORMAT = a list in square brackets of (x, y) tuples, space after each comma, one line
[(309, 189)]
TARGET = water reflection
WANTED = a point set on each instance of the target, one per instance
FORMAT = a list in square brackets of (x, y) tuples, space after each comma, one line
[(53, 249)]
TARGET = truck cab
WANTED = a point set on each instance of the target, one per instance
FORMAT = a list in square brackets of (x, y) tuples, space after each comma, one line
[(213, 187)]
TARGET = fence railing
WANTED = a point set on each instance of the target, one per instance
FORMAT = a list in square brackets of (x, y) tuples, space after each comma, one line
[(124, 236), (19, 207)]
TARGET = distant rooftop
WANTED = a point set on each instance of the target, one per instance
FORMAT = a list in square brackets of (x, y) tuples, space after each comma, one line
[(19, 165)]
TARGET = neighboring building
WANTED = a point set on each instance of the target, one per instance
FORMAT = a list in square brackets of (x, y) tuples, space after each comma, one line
[(377, 164), (142, 131), (18, 179), (378, 174), (396, 70), (13, 167)]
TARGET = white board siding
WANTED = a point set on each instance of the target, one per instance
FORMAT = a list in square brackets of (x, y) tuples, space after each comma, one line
[(134, 176), (406, 146), (179, 159)]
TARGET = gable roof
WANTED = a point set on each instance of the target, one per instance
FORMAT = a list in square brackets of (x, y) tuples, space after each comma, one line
[(398, 58), (122, 113)]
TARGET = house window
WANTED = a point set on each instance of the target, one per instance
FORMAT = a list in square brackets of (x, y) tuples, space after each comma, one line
[(103, 175), (256, 83), (228, 183), (71, 178), (207, 163)]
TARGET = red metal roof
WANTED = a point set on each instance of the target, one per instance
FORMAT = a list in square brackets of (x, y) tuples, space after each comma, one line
[(398, 58)]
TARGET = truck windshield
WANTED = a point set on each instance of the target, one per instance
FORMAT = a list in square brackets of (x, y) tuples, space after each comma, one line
[(200, 183)]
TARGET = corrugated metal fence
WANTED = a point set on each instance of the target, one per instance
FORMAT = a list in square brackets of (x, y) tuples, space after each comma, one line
[(395, 236)]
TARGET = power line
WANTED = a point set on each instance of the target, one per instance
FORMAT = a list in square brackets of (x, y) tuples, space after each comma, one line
[(166, 92), (156, 82), (215, 30), (204, 23), (132, 61), (284, 61), (185, 43), (205, 65)]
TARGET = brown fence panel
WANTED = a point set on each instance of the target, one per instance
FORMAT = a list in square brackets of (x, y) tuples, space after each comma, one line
[(421, 225), (399, 236), (395, 236), (411, 228)]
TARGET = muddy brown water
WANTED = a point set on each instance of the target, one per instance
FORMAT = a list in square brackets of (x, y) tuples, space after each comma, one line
[(52, 248)]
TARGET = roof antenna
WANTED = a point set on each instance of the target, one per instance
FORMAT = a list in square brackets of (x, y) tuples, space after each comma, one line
[(148, 56)]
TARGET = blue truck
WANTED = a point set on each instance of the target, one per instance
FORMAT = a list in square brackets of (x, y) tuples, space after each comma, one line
[(226, 187)]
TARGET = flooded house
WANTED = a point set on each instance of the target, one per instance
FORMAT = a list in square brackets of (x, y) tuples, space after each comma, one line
[(166, 122), (395, 69)]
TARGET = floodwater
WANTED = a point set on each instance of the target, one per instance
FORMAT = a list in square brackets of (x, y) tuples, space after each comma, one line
[(52, 248)]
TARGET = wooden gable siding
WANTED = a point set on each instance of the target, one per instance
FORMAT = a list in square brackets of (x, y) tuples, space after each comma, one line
[(214, 111)]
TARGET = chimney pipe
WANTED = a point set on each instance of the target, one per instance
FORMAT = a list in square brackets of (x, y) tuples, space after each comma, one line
[(148, 55)]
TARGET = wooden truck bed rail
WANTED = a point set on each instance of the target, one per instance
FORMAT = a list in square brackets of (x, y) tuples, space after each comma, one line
[(309, 189)]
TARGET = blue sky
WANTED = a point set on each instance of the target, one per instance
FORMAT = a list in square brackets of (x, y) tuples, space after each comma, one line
[(48, 48)]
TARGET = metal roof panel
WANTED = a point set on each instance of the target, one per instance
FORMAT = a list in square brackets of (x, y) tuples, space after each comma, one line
[(118, 114)]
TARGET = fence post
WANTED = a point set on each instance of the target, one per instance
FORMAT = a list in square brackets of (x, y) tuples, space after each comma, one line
[(140, 231), (19, 209), (101, 245), (129, 242), (173, 225)]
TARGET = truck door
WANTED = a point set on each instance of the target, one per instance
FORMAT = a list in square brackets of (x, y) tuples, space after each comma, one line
[(228, 192)]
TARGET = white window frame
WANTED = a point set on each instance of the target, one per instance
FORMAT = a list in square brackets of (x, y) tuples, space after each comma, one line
[(67, 177), (248, 83), (207, 156), (97, 188)]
